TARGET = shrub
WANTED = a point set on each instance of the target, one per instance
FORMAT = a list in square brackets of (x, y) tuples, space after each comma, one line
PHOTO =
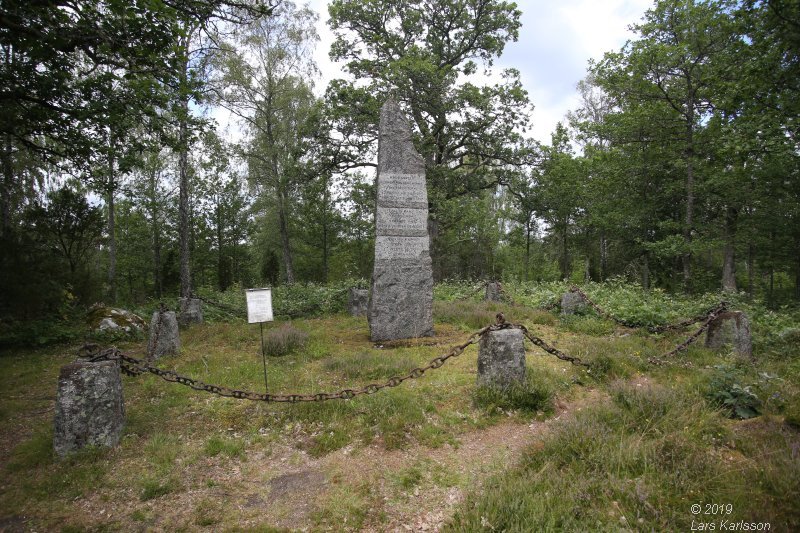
[(792, 412), (725, 392), (284, 340)]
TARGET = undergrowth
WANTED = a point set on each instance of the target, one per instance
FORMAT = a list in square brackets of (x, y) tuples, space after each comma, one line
[(633, 447), (638, 463)]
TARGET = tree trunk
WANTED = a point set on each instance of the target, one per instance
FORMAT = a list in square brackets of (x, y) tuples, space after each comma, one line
[(284, 231), (156, 234), (797, 272), (112, 231), (325, 253), (603, 256), (527, 248), (157, 261), (770, 300), (564, 262), (8, 183), (750, 270), (183, 205), (729, 254), (646, 272), (689, 221), (8, 168), (221, 278)]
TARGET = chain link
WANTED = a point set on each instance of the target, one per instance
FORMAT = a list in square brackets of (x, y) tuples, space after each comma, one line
[(722, 306), (134, 367), (547, 348), (661, 360)]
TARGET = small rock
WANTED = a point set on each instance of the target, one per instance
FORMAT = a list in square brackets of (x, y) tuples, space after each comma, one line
[(102, 318), (494, 292), (730, 328), (572, 303), (191, 311), (357, 301)]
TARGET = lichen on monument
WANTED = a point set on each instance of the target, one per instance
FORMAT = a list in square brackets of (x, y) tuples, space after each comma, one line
[(401, 299)]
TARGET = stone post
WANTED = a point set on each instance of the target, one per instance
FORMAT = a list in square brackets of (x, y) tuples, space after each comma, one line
[(572, 303), (90, 410), (401, 299), (191, 311), (730, 328), (357, 301), (494, 293), (501, 358), (164, 335)]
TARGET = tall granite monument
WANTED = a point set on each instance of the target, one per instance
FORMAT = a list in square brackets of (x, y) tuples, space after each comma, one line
[(401, 300)]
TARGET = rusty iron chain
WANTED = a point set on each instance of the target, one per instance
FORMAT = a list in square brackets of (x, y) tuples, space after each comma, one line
[(663, 359), (547, 348), (706, 319), (722, 306), (134, 367)]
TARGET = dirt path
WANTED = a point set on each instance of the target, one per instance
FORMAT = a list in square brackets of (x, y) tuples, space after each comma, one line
[(415, 489), (280, 486)]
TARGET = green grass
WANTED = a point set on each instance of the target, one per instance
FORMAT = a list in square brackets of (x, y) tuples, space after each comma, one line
[(637, 463), (635, 440), (230, 447), (369, 365), (408, 478), (156, 487), (533, 395)]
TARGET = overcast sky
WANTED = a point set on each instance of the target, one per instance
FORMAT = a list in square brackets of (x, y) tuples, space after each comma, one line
[(556, 41)]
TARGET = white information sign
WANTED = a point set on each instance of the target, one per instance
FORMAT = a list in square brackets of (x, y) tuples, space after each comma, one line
[(259, 305)]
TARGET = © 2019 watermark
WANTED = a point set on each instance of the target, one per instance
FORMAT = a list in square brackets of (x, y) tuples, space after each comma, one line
[(716, 517)]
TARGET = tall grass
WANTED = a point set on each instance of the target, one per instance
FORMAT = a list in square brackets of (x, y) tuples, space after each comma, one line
[(638, 463)]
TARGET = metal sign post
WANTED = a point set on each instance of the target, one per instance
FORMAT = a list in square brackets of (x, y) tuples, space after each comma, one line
[(259, 310)]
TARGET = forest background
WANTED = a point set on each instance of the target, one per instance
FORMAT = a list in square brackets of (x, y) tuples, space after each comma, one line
[(679, 169)]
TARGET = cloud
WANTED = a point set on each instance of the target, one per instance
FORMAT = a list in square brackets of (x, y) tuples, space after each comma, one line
[(555, 44), (556, 41)]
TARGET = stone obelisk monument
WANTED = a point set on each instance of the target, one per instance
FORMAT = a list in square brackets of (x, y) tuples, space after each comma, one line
[(401, 300)]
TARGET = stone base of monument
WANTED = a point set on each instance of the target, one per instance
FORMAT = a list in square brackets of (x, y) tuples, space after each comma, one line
[(731, 328), (357, 301), (401, 302), (494, 293), (90, 410), (572, 304), (191, 311), (501, 358), (164, 335)]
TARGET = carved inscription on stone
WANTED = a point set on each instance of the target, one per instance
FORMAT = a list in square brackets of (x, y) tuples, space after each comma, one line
[(401, 299), (402, 190), (387, 247), (395, 220)]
